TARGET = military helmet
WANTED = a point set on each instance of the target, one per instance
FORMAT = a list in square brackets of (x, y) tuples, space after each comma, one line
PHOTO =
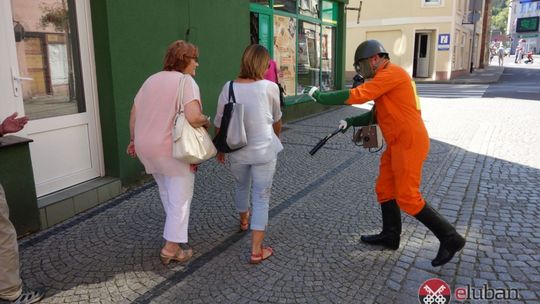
[(367, 49)]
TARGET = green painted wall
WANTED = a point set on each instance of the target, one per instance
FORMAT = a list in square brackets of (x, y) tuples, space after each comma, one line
[(130, 40), (17, 179)]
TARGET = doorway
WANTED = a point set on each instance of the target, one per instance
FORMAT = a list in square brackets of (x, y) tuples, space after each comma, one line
[(47, 74), (422, 55)]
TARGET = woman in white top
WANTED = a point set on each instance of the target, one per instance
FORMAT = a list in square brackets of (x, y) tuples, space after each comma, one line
[(253, 166)]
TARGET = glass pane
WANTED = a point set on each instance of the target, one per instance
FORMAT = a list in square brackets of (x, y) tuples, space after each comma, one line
[(328, 59), (309, 47), (46, 42), (260, 29), (285, 51), (309, 8), (261, 2), (254, 27), (285, 5), (330, 12)]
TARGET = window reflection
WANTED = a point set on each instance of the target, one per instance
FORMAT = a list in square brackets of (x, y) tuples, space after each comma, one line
[(308, 55), (328, 58), (46, 55), (309, 8), (285, 5), (261, 2)]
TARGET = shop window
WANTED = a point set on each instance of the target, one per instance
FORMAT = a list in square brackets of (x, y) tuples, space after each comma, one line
[(309, 8), (309, 57), (50, 57), (285, 51), (328, 58), (285, 5), (261, 2)]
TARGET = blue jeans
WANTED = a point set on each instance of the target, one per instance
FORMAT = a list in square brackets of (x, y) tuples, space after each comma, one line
[(259, 178)]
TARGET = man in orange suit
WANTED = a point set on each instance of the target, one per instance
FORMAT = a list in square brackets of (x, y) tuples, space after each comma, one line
[(397, 111)]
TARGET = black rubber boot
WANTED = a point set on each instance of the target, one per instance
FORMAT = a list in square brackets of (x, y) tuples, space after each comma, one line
[(451, 241), (389, 237)]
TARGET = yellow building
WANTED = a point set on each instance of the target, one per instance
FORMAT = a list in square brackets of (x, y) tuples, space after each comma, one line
[(431, 39)]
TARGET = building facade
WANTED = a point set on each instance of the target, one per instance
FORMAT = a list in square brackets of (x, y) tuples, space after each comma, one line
[(431, 39), (74, 67), (523, 19)]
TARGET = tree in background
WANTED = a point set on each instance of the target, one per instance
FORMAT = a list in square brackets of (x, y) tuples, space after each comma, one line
[(499, 15)]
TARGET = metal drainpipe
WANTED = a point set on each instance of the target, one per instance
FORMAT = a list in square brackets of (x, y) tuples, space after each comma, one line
[(473, 35)]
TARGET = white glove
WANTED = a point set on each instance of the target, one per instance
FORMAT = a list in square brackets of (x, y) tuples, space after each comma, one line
[(342, 124)]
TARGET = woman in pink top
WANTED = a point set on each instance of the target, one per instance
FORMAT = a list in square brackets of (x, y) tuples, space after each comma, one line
[(150, 127), (272, 72)]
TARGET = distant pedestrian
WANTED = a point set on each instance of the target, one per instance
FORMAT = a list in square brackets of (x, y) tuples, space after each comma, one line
[(492, 53), (254, 165), (150, 125), (10, 279), (500, 53), (517, 59)]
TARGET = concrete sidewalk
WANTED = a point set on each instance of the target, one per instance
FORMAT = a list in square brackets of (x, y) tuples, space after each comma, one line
[(487, 75), (320, 207)]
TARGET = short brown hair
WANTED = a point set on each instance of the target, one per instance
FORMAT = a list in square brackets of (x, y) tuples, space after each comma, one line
[(254, 62), (179, 55)]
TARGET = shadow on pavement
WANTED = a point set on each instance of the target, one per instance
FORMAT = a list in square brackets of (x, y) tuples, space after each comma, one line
[(320, 207)]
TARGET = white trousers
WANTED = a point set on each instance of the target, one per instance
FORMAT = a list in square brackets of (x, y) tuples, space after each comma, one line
[(176, 193)]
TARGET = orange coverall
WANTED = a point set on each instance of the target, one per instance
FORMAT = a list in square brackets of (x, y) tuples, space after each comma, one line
[(397, 109)]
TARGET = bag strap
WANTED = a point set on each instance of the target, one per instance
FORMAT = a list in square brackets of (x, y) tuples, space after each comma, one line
[(276, 72), (231, 92), (180, 96)]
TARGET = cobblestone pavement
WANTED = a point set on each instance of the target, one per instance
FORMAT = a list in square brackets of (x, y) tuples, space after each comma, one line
[(483, 174)]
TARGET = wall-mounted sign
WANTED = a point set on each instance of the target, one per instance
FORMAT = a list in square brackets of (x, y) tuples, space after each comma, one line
[(443, 43), (529, 24)]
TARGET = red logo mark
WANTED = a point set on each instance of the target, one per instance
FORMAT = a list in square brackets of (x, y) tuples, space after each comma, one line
[(434, 291)]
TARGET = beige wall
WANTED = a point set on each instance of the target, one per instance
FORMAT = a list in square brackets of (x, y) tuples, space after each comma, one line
[(395, 23)]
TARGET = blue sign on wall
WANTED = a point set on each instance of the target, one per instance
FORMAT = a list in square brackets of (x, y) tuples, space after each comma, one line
[(443, 42)]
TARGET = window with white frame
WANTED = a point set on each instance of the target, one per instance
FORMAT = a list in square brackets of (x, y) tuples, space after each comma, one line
[(431, 2)]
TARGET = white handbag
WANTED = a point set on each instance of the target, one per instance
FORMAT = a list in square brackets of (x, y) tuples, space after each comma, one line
[(236, 133), (190, 145), (232, 134)]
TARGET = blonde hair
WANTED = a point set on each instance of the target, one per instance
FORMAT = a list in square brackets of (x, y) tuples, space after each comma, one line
[(179, 55), (254, 62)]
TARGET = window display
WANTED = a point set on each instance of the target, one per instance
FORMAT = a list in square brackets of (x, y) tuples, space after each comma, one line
[(308, 55), (328, 58), (309, 8), (302, 37), (285, 51)]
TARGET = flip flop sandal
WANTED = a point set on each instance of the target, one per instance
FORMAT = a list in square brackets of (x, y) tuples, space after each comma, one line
[(181, 256), (257, 258)]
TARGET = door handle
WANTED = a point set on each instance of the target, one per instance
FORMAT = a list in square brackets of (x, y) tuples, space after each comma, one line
[(17, 81), (20, 78)]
